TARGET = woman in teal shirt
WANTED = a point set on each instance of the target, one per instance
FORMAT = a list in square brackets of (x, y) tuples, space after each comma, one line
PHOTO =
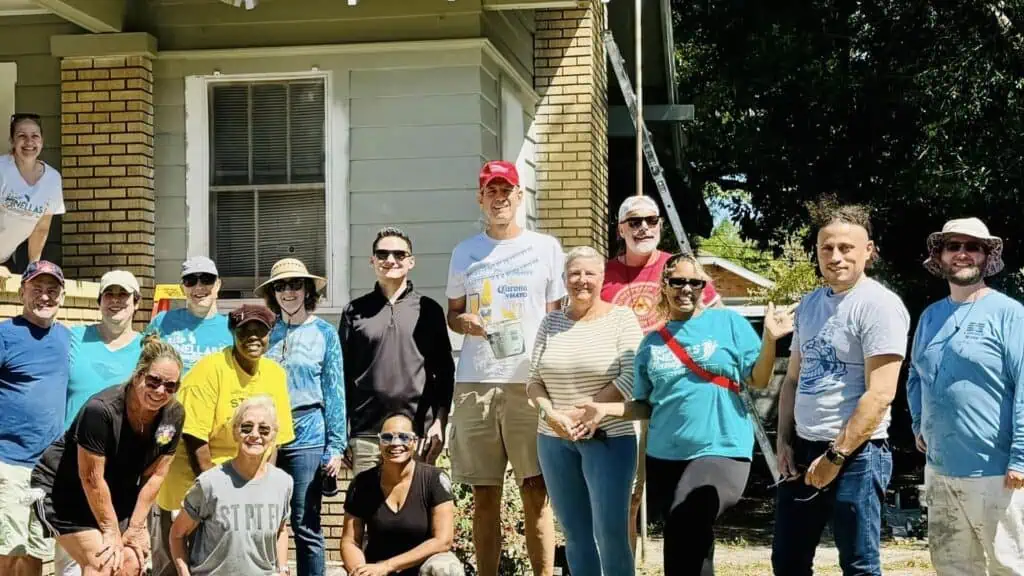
[(105, 354), (700, 439)]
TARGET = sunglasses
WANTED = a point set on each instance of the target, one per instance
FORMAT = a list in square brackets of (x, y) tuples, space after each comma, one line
[(155, 383), (383, 255), (695, 283), (969, 246), (400, 438), (264, 430), (636, 221), (295, 284), (205, 279)]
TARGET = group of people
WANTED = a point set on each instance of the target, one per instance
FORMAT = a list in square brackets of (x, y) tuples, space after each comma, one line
[(192, 446)]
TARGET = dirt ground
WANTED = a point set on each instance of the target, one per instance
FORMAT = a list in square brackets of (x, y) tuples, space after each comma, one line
[(743, 559)]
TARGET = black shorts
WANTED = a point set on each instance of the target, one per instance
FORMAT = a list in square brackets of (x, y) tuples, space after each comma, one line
[(54, 525)]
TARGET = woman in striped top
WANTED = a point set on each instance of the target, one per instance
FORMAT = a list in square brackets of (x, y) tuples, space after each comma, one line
[(584, 353)]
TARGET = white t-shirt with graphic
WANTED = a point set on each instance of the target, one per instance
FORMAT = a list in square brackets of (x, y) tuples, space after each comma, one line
[(508, 283), (21, 205)]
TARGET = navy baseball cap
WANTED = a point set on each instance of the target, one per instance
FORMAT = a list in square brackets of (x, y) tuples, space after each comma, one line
[(40, 267)]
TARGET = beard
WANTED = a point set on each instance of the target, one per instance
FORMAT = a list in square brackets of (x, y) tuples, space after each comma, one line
[(962, 276), (645, 246)]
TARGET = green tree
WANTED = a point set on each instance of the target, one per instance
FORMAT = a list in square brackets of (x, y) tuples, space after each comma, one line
[(914, 108)]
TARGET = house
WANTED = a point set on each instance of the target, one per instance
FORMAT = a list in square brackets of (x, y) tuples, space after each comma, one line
[(735, 284), (254, 130)]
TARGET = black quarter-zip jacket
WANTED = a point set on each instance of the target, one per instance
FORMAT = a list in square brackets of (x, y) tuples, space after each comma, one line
[(397, 359)]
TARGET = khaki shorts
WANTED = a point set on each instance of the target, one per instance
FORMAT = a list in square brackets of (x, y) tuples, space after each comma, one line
[(493, 425), (21, 532)]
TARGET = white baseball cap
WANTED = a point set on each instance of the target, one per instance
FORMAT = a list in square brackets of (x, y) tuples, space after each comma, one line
[(636, 203), (122, 278)]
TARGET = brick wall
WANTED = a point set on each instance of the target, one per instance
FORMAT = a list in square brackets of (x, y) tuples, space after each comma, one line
[(107, 165), (79, 301), (730, 285), (572, 125)]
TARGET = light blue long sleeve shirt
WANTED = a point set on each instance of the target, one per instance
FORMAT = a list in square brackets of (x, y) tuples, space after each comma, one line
[(966, 385), (311, 355)]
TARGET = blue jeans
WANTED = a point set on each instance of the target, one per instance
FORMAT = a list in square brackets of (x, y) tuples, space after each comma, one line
[(853, 502), (303, 465), (590, 483)]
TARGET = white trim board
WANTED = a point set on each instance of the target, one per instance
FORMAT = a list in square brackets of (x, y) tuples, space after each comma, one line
[(197, 175), (524, 85), (736, 269)]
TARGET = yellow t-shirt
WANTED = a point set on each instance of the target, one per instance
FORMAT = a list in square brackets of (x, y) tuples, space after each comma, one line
[(210, 392)]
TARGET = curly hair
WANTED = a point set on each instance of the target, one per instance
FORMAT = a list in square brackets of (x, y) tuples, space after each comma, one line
[(829, 210), (662, 308)]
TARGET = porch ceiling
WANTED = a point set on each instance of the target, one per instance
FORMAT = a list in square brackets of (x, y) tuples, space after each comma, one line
[(94, 15)]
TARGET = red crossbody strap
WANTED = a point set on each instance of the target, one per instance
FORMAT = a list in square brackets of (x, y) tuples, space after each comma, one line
[(685, 358)]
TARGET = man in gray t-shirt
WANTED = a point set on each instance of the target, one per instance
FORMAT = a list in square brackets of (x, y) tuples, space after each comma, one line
[(239, 521), (849, 342)]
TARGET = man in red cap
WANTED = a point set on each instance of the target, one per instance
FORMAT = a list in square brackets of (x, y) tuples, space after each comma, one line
[(501, 283)]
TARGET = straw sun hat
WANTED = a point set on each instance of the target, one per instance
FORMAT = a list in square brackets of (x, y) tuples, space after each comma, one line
[(290, 268)]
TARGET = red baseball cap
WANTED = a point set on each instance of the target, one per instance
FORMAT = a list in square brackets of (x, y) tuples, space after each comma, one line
[(498, 170)]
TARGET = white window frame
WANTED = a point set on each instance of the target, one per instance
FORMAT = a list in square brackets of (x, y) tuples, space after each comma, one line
[(197, 178), (8, 87)]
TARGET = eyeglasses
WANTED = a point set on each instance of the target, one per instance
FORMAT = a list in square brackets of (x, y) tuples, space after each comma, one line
[(971, 247), (204, 278), (264, 430), (400, 438), (695, 283), (636, 221), (155, 383), (383, 255), (294, 284)]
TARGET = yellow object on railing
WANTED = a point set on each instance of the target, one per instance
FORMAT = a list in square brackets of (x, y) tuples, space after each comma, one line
[(163, 294)]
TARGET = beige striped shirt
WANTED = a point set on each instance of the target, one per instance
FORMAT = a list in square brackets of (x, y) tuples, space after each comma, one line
[(575, 360)]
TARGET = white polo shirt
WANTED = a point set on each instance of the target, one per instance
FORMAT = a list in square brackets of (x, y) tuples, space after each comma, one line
[(21, 205)]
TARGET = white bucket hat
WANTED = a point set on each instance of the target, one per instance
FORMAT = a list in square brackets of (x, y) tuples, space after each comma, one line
[(291, 268), (974, 228), (637, 204)]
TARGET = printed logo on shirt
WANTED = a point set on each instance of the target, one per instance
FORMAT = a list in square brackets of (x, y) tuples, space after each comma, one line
[(249, 517), (642, 298), (974, 330), (821, 367), (23, 205), (164, 435), (662, 357)]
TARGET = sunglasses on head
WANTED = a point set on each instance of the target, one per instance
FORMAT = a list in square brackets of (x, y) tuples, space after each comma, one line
[(970, 246), (695, 283), (264, 430), (204, 278), (636, 221), (293, 284), (401, 438), (383, 255), (155, 383)]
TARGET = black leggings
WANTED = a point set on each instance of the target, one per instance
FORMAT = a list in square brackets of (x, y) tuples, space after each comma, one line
[(689, 495)]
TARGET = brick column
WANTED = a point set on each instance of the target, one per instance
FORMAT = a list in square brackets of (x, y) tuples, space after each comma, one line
[(572, 125), (107, 165)]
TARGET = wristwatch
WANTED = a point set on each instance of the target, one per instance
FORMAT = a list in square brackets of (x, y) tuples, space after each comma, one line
[(834, 456)]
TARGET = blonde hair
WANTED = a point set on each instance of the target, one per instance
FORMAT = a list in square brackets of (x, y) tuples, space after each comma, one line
[(154, 349), (262, 401), (581, 253), (662, 307)]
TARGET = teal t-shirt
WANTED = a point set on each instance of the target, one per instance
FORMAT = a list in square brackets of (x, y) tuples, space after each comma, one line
[(692, 417), (192, 337), (94, 367)]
